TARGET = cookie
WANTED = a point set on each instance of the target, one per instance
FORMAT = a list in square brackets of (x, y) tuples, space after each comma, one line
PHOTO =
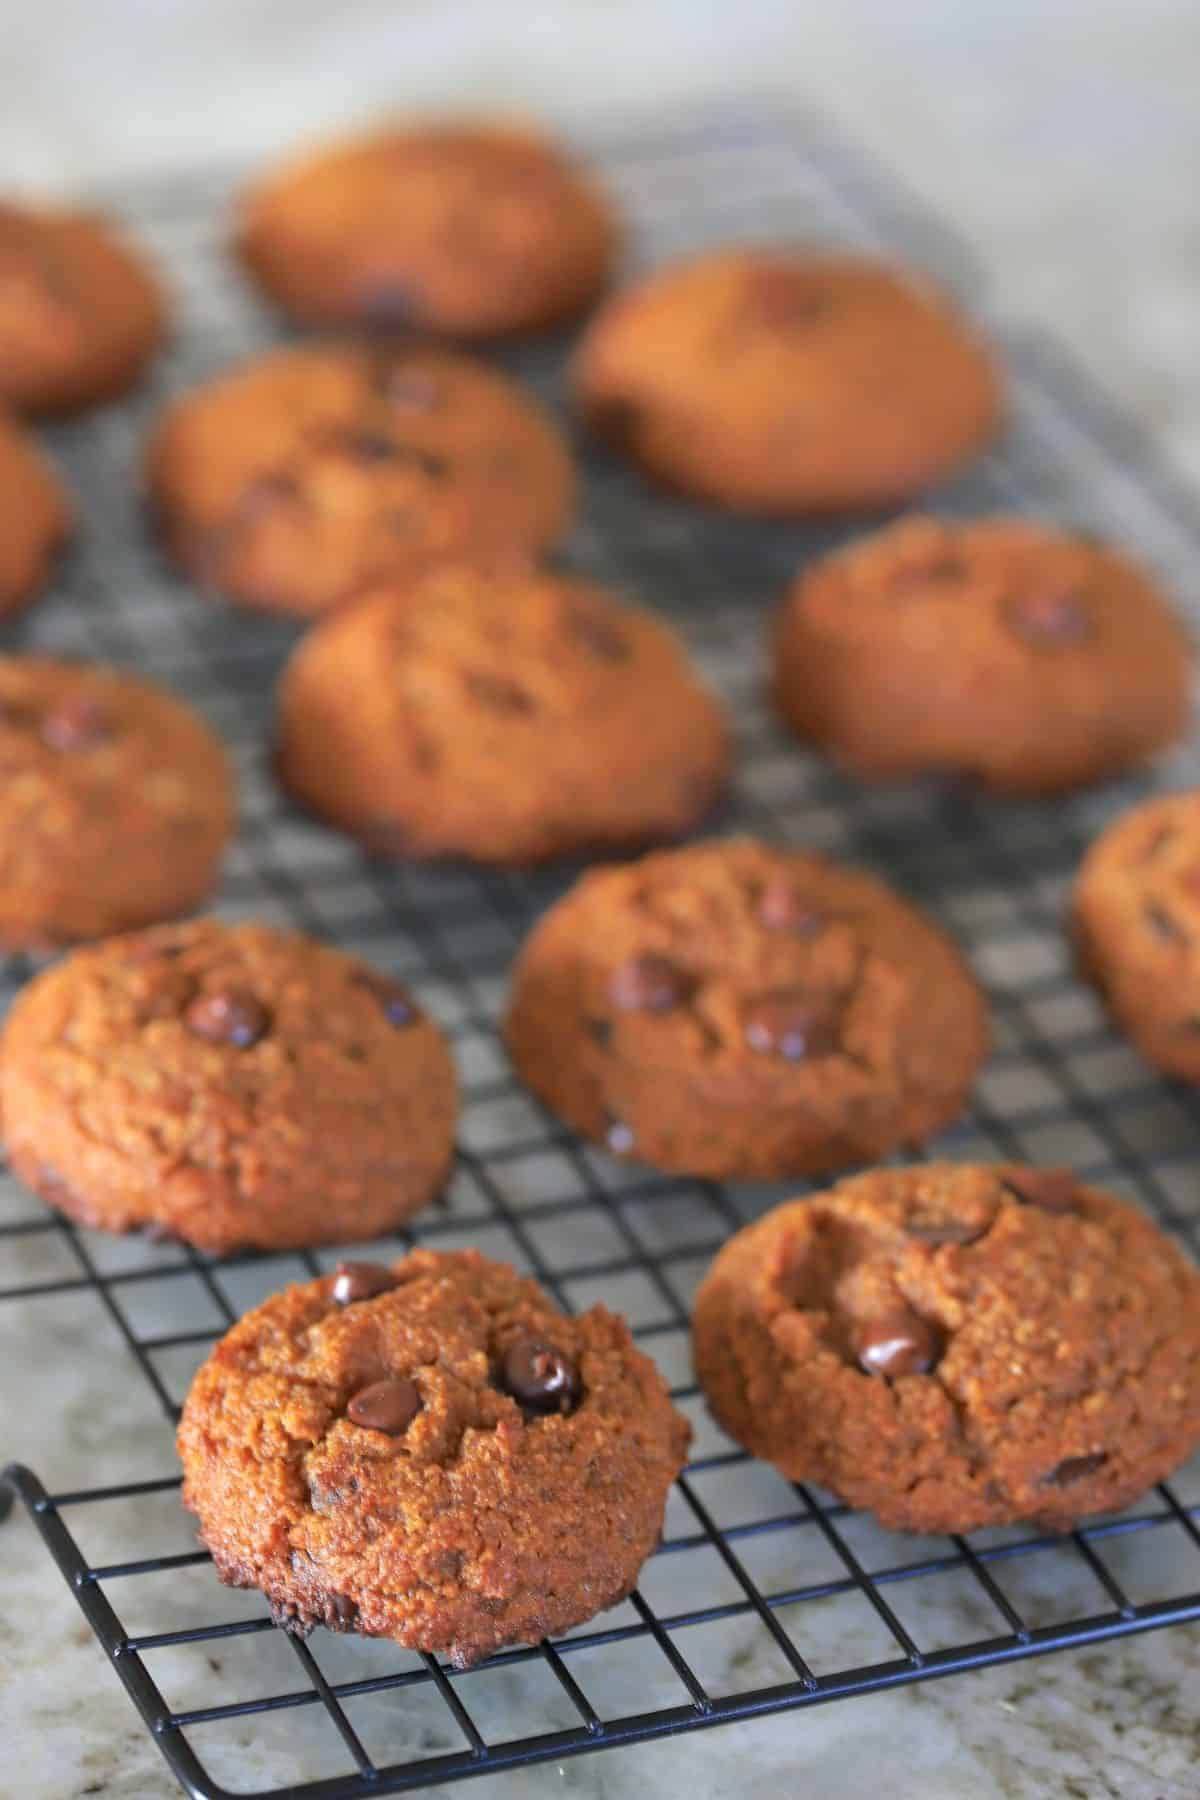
[(430, 1452), (80, 314), (957, 1347), (730, 1009), (501, 713), (35, 518), (1136, 923), (776, 381), (308, 474), (116, 802), (468, 230), (228, 1085), (1028, 659)]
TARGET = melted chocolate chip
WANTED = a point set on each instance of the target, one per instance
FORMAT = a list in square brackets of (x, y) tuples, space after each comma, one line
[(390, 305), (898, 1343), (600, 1031), (1049, 616), (1053, 1190), (413, 389), (77, 722), (649, 983), (539, 1377), (789, 1023), (394, 1001), (1162, 925), (1074, 1468), (499, 693), (340, 1612), (361, 1281), (912, 576), (597, 634), (367, 446), (389, 1406), (228, 1016), (944, 1232), (784, 908), (784, 299)]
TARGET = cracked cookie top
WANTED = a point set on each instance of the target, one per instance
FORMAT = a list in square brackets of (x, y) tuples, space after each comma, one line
[(233, 1086), (430, 1452), (300, 478), (956, 1347)]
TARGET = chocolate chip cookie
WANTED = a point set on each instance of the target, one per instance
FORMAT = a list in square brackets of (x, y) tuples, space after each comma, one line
[(35, 518), (430, 1452), (116, 802), (957, 1347), (1030, 659), (497, 712), (304, 476), (80, 313), (232, 1086), (472, 230), (777, 381), (1136, 921), (730, 1009)]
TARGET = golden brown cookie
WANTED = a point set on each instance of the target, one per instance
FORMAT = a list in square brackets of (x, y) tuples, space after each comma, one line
[(1136, 920), (229, 1085), (730, 1009), (501, 713), (430, 1452), (468, 230), (80, 314), (1031, 659), (116, 802), (302, 477), (35, 518), (957, 1347), (777, 381)]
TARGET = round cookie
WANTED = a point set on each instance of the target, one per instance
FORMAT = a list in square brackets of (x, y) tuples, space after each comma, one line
[(1136, 924), (501, 713), (468, 230), (431, 1453), (1027, 658), (730, 1009), (35, 518), (776, 381), (232, 1086), (80, 313), (957, 1347), (301, 477), (116, 802)]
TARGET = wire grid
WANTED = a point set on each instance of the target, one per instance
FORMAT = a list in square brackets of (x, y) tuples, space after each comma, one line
[(763, 1596)]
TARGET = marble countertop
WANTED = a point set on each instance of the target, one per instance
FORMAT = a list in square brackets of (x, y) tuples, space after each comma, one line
[(1062, 137)]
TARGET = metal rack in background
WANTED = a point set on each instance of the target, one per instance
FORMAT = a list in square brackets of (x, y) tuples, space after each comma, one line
[(776, 1561)]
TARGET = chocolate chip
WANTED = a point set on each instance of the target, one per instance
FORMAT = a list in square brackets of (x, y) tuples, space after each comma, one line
[(1053, 1190), (539, 1377), (340, 1612), (649, 983), (597, 634), (784, 908), (413, 389), (785, 298), (499, 693), (1049, 616), (600, 1031), (367, 446), (395, 1002), (914, 577), (389, 1406), (944, 1232), (1074, 1468), (361, 1281), (228, 1016), (390, 305), (77, 722), (789, 1023), (897, 1343), (1162, 925)]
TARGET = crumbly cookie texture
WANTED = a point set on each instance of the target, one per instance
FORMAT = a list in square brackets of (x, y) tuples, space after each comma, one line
[(297, 480), (731, 1009), (430, 1452), (230, 1085), (499, 712), (1030, 659), (780, 381), (35, 518), (955, 1347)]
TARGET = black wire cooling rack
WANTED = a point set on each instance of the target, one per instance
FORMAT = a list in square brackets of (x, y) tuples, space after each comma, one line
[(763, 1597)]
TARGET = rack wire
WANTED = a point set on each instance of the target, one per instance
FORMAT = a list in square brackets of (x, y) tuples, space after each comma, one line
[(763, 1596)]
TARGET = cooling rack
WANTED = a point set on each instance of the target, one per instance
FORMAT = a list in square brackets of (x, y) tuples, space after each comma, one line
[(763, 1597)]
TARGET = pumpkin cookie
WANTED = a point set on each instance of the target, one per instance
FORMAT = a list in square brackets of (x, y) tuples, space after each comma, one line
[(430, 1452), (468, 230), (499, 713), (787, 382), (957, 1347), (233, 1086), (116, 802), (308, 474), (80, 314), (734, 1010), (35, 518), (1028, 658)]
